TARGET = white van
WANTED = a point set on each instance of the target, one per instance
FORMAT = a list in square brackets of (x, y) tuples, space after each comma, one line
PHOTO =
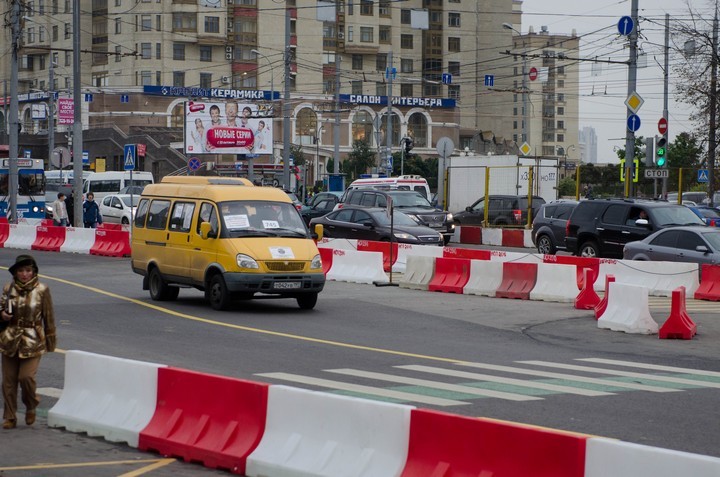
[(406, 182), (111, 182)]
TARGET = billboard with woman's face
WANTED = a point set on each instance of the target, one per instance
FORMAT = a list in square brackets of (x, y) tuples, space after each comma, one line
[(227, 128)]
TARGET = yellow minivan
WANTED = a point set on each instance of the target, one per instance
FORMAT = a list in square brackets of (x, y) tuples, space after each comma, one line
[(225, 237)]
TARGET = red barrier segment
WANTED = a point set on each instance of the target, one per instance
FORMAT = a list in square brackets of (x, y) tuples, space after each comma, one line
[(47, 222), (451, 275), (383, 247), (206, 418), (49, 238), (111, 243), (600, 308), (587, 299), (448, 445), (518, 280), (513, 238), (471, 253), (709, 288), (4, 231), (106, 226), (581, 263), (471, 235), (678, 325), (326, 255)]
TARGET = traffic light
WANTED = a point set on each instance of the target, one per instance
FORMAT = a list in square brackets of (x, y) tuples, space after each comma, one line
[(408, 145), (661, 151), (649, 151)]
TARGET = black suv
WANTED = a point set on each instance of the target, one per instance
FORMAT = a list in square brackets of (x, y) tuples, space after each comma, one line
[(503, 210), (548, 231), (410, 203), (602, 227)]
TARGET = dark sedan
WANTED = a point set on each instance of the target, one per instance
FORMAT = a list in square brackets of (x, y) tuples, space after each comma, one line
[(696, 244), (373, 223), (319, 205)]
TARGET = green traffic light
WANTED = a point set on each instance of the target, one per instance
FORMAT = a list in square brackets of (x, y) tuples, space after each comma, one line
[(661, 152)]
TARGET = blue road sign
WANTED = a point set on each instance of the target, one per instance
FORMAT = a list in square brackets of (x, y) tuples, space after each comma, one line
[(633, 122), (390, 72), (703, 175), (194, 164), (88, 98), (86, 157), (489, 80), (626, 25), (129, 151), (124, 98), (446, 78)]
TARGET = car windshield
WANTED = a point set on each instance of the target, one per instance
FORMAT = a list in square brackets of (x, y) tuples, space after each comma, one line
[(665, 216), (399, 218), (409, 200), (126, 200), (709, 213), (261, 218), (713, 238)]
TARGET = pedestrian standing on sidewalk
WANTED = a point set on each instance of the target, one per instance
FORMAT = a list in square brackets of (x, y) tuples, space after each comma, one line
[(60, 215)]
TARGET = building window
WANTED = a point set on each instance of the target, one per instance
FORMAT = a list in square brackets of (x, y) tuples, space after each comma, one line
[(454, 68), (366, 7), (178, 51), (561, 124), (454, 91), (118, 26), (380, 88), (31, 35), (418, 129), (561, 83), (560, 70), (406, 90), (385, 34), (205, 53), (206, 80), (362, 127), (356, 87), (366, 34), (357, 62), (55, 33), (158, 22), (350, 34), (384, 8), (515, 124), (146, 22), (118, 54), (212, 24), (67, 31), (179, 78), (158, 50), (351, 7), (55, 7), (561, 138), (561, 111), (158, 78), (454, 20), (146, 51), (406, 41), (406, 65), (68, 58), (381, 62), (405, 16), (145, 78), (184, 22), (41, 7), (454, 44), (561, 97)]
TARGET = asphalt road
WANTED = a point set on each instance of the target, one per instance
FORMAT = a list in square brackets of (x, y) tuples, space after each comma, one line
[(413, 342)]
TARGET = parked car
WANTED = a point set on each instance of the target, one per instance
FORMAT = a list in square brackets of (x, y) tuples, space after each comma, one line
[(134, 189), (503, 210), (677, 244), (548, 232), (117, 208), (694, 196), (319, 205), (411, 203), (296, 202), (373, 223), (602, 227), (710, 215)]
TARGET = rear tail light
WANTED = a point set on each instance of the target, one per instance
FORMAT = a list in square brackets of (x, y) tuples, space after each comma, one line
[(712, 222), (518, 215), (340, 205), (567, 228)]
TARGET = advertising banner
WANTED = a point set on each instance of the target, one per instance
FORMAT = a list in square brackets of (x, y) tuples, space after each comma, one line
[(66, 111), (228, 127)]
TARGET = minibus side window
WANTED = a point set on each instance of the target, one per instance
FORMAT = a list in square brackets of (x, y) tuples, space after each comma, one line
[(157, 217), (181, 216), (207, 213), (141, 213)]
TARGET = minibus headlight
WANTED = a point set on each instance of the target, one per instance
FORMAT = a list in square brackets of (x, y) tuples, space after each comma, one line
[(244, 261), (316, 262)]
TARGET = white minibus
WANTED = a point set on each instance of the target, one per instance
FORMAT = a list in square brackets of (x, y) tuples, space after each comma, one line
[(111, 182)]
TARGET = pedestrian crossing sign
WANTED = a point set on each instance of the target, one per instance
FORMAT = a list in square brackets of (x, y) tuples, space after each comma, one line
[(703, 175), (129, 153)]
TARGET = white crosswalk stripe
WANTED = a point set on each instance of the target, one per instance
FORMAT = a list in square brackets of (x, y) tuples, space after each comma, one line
[(656, 367)]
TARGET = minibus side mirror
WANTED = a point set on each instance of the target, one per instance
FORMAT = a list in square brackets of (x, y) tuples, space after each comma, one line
[(205, 230)]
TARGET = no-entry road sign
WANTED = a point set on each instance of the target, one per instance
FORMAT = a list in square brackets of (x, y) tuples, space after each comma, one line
[(662, 126)]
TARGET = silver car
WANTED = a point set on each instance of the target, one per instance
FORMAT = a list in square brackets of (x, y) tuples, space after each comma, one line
[(695, 244), (117, 209)]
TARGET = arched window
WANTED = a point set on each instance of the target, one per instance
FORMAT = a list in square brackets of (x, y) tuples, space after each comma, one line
[(177, 116), (418, 129), (27, 125), (395, 139), (306, 126), (362, 127)]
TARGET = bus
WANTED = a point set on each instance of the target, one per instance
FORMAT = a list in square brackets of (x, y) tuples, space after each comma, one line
[(30, 203)]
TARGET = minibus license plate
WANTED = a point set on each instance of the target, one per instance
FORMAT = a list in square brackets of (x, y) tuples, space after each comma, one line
[(286, 285)]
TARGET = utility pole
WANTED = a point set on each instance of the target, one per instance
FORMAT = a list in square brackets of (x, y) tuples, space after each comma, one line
[(336, 128), (14, 121), (632, 85), (388, 132), (712, 141), (77, 118), (286, 105), (665, 94), (51, 115)]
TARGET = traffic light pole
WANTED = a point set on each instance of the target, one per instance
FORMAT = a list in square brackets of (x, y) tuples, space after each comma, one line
[(665, 99), (632, 85)]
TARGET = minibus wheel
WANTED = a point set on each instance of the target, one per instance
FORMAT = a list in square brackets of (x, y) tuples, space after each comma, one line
[(218, 295), (307, 301), (159, 290)]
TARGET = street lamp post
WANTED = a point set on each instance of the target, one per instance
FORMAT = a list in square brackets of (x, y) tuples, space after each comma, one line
[(251, 172), (317, 153), (524, 85)]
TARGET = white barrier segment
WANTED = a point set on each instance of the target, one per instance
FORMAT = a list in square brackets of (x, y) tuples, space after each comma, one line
[(78, 240), (485, 278), (456, 235), (608, 457), (310, 433), (518, 257), (527, 239), (491, 236), (357, 267), (30, 221), (405, 250), (555, 282), (628, 310), (338, 244), (418, 272), (105, 396), (607, 267), (21, 236), (660, 277)]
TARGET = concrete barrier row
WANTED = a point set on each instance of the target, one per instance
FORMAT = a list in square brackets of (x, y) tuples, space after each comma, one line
[(108, 240), (257, 429), (474, 235)]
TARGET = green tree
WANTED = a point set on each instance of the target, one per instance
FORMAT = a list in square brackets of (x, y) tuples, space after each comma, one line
[(685, 153), (416, 165), (566, 187), (360, 159), (298, 155)]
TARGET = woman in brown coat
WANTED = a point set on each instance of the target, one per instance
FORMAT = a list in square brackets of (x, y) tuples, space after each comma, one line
[(27, 307)]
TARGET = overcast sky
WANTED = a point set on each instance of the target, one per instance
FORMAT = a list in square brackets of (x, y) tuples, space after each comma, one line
[(603, 95)]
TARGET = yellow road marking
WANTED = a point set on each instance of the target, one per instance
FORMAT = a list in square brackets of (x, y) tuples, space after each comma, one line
[(149, 468), (154, 463)]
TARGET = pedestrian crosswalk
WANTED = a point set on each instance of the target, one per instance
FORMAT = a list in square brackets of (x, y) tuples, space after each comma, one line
[(699, 306), (531, 380)]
